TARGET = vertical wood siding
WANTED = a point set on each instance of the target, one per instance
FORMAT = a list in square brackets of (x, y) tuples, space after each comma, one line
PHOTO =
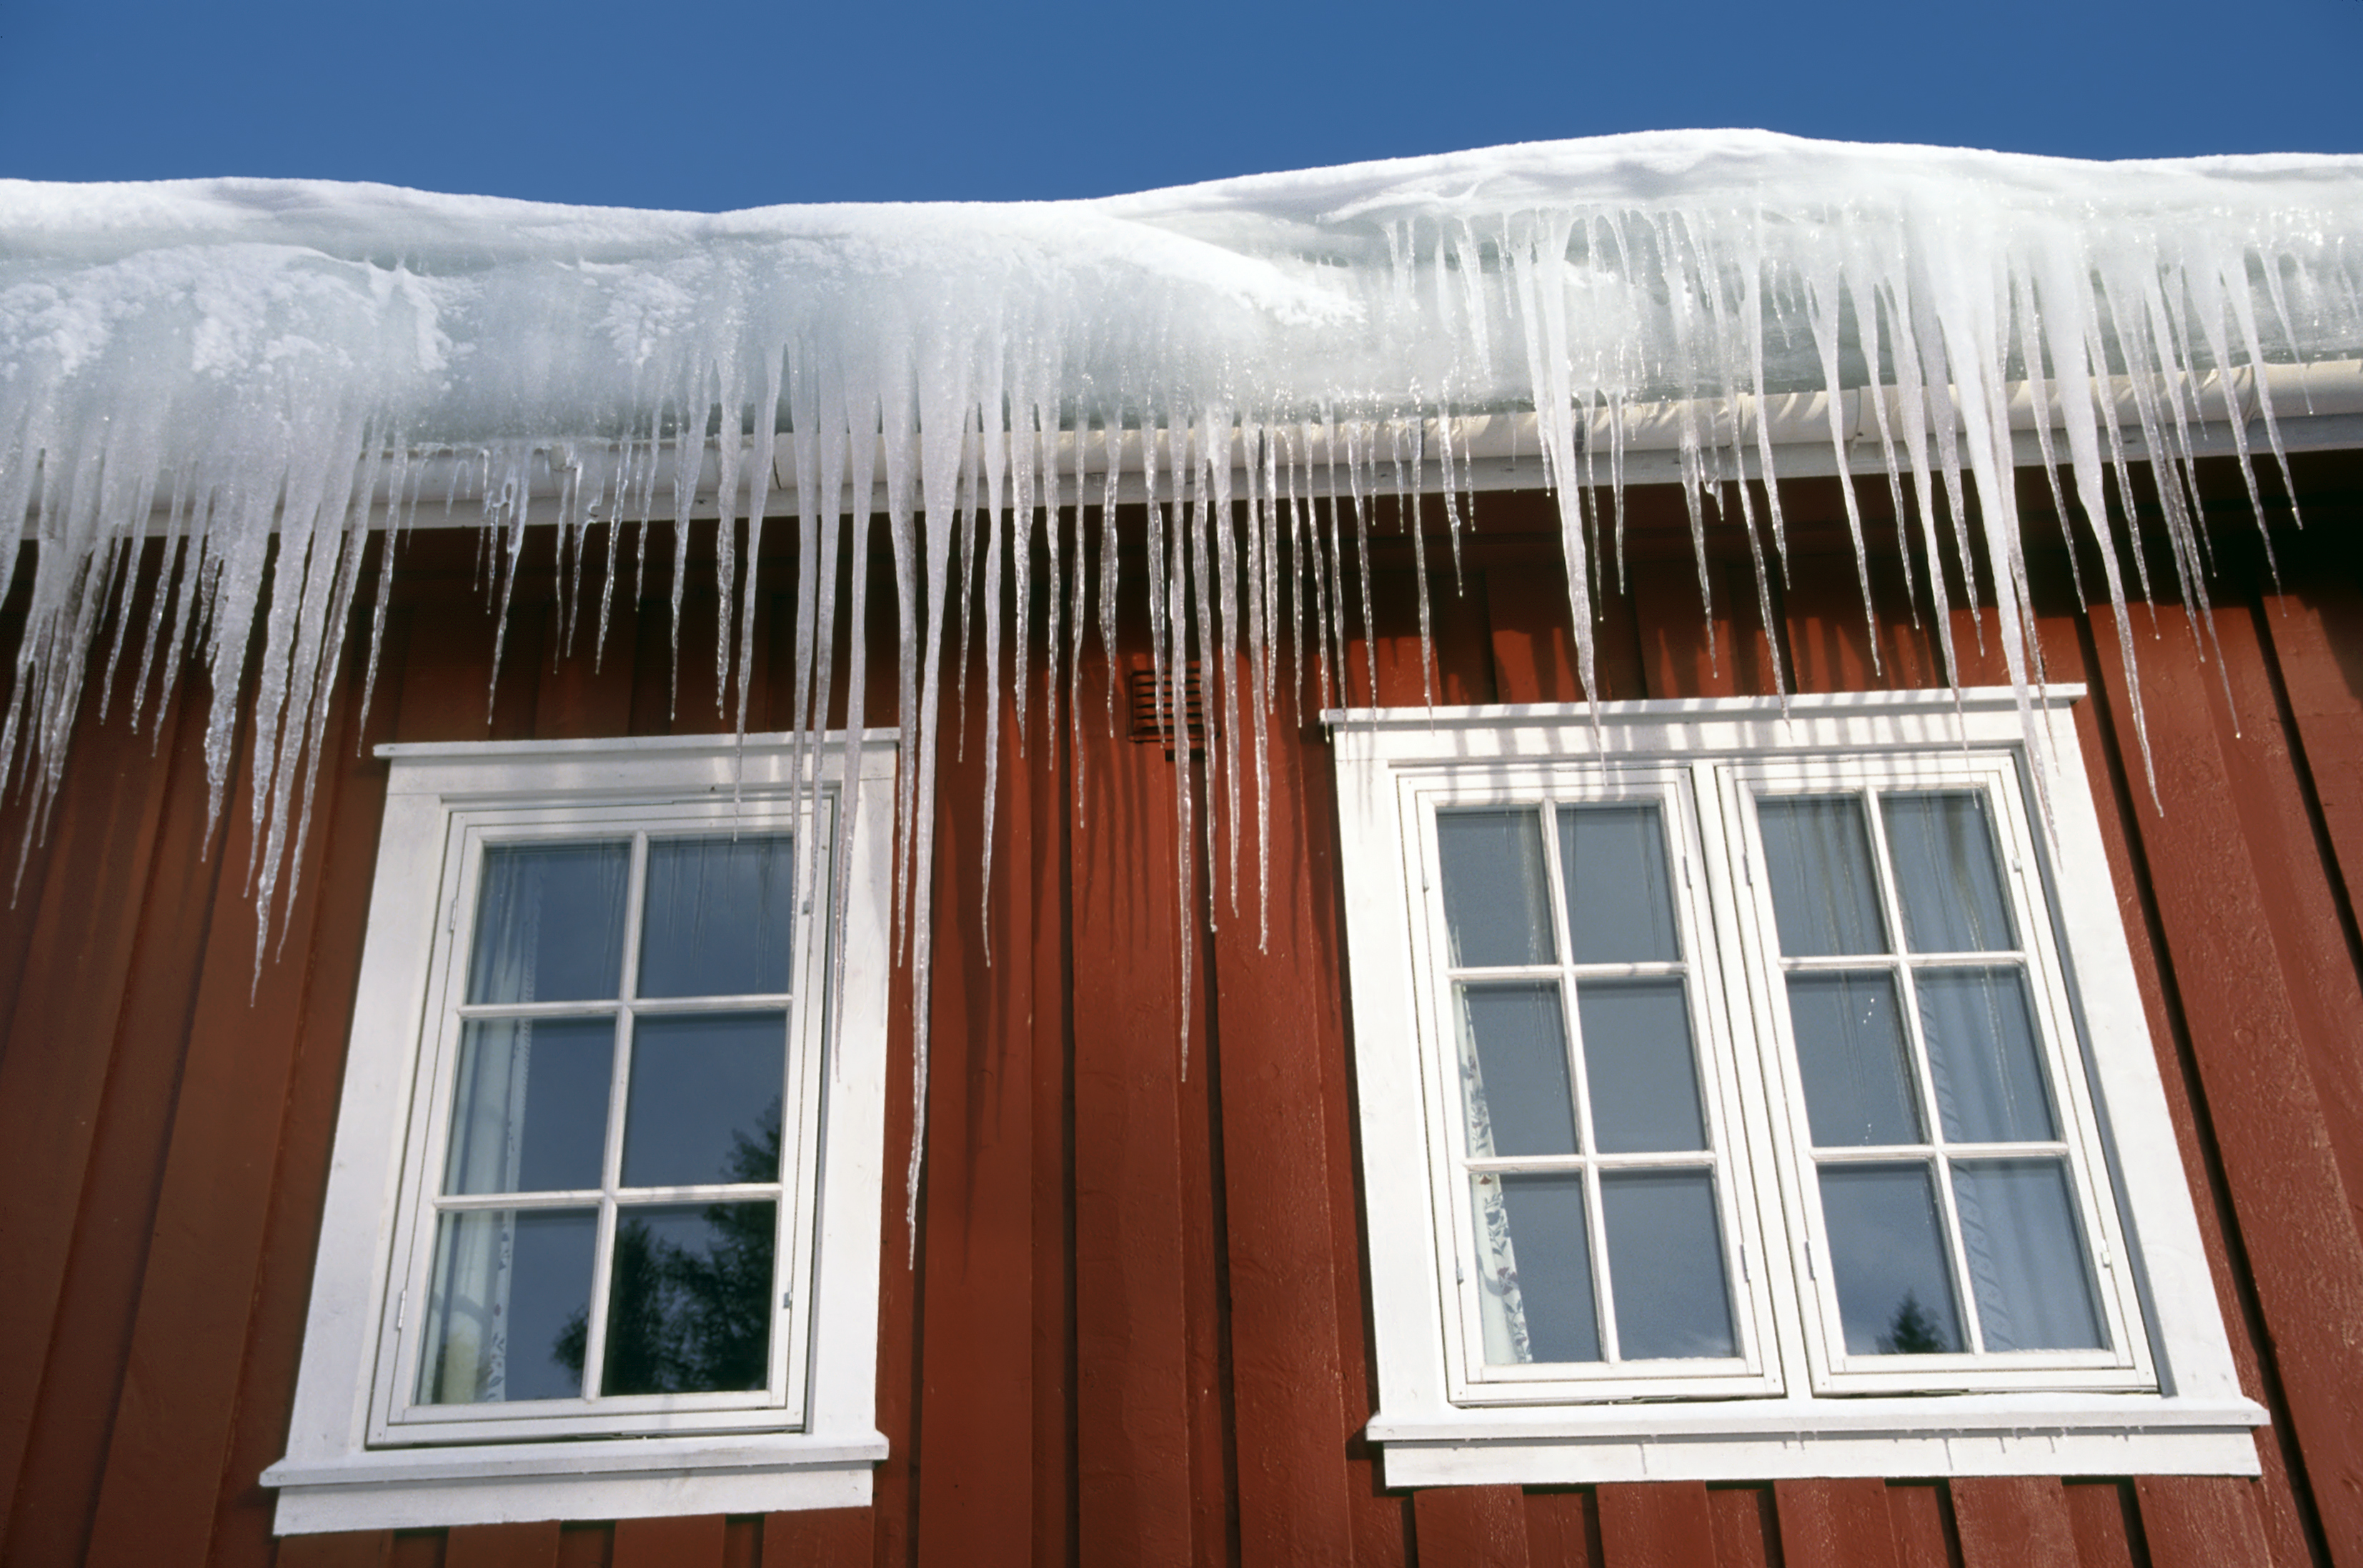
[(1136, 1327)]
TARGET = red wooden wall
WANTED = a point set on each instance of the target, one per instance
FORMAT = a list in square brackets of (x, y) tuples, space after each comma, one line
[(1135, 1331)]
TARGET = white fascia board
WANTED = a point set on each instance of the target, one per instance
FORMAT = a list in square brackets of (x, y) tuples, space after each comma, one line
[(2316, 407)]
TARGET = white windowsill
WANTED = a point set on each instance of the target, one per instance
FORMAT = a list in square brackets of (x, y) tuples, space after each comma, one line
[(610, 1478), (1963, 1435)]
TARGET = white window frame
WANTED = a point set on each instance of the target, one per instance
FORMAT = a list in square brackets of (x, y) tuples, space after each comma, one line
[(362, 1453), (2163, 1400)]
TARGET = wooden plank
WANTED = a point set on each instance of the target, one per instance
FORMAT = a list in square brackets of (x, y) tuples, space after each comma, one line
[(1654, 1524), (1676, 659), (64, 1030), (325, 931), (586, 1545), (530, 1545), (344, 1548), (1747, 1526), (2316, 634), (688, 1541), (2013, 1521), (2071, 653), (819, 1538), (415, 1549), (1921, 1513), (168, 1452), (1471, 1527), (1132, 1394), (2190, 1521), (976, 1487), (1562, 1529), (1843, 1523), (1283, 1049), (66, 1451), (742, 1541), (2108, 1530), (2247, 1034)]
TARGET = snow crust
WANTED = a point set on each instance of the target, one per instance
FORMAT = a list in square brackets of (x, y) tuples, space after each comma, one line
[(252, 359)]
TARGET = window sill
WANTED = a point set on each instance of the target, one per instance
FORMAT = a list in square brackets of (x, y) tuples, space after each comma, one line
[(620, 1478), (1760, 1440)]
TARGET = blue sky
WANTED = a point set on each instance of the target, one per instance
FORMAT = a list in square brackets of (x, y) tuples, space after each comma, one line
[(727, 105)]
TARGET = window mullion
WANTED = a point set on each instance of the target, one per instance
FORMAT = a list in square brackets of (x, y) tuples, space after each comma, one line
[(611, 1163)]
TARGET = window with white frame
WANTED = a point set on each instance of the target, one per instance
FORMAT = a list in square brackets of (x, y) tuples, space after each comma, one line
[(607, 1165), (1777, 1069)]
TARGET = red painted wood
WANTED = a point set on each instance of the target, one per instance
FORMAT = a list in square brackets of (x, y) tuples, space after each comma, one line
[(819, 1538), (167, 1454), (586, 1545), (2115, 775), (415, 1549), (2108, 1530), (66, 1454), (1675, 659), (2316, 632), (1746, 1528), (2013, 1521), (690, 1541), (533, 1545), (1282, 1038), (1050, 1170), (975, 1504), (2201, 1522), (53, 1079), (1654, 1524), (351, 1549), (2248, 1039), (1472, 1527), (1922, 1515), (1845, 1524), (1562, 1529), (742, 1541), (1134, 1451)]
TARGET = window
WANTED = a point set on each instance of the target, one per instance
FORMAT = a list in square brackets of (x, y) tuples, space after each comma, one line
[(1776, 1071), (597, 1176)]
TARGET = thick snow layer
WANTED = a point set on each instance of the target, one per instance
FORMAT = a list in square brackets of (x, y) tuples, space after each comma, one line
[(300, 358)]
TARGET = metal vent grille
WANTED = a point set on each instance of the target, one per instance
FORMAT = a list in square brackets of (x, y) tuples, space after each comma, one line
[(1152, 707)]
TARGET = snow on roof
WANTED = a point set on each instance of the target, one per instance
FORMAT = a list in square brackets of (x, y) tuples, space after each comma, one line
[(260, 358)]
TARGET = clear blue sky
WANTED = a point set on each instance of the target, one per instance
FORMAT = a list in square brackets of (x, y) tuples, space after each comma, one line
[(721, 104)]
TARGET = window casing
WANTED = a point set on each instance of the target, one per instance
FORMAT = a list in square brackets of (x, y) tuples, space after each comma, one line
[(628, 1193), (1780, 1075)]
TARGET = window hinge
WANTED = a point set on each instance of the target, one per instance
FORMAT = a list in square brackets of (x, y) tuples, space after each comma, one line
[(1747, 868), (787, 1299), (451, 916), (1811, 1272), (1457, 1278), (1686, 870), (1746, 1273), (401, 1310)]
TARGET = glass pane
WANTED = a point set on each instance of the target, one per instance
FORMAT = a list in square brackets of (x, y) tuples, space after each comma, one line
[(689, 1307), (1513, 1074), (549, 923), (505, 1314), (1642, 1067), (719, 920), (1851, 1055), (531, 1111), (1947, 876), (703, 1105), (1551, 1280), (1887, 1259), (1620, 907), (1983, 1054), (1665, 1264), (1817, 859), (2027, 1266), (1496, 908)]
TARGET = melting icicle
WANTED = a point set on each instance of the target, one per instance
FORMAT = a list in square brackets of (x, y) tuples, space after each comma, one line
[(241, 376)]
